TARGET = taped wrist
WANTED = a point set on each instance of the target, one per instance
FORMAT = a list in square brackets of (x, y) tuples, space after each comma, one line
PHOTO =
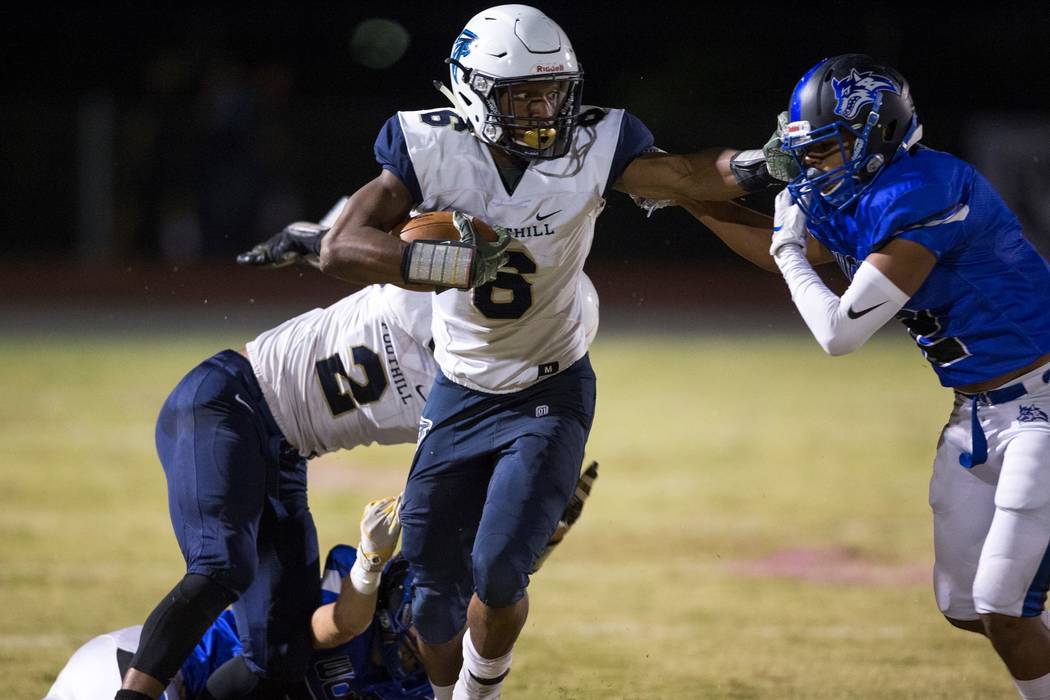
[(442, 264), (309, 235), (177, 624), (749, 170), (366, 573)]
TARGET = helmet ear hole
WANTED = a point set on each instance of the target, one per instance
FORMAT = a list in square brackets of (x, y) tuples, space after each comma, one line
[(889, 130)]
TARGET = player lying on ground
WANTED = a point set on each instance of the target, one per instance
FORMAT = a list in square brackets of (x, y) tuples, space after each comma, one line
[(234, 437), (924, 238), (506, 422), (363, 642)]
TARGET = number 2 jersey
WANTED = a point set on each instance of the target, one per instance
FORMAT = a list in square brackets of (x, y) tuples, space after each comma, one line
[(526, 325), (350, 374), (984, 310)]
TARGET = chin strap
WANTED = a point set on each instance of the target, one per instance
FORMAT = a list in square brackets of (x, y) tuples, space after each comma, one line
[(913, 138)]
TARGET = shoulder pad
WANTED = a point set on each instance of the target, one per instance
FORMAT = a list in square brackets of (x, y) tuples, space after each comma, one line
[(591, 116)]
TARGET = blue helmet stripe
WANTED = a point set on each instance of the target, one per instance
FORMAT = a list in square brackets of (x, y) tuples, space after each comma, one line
[(795, 110)]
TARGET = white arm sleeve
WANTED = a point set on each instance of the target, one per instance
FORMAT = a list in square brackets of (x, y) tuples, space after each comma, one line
[(840, 325)]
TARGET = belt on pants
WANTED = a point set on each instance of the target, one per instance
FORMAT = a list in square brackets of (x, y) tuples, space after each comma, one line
[(979, 448)]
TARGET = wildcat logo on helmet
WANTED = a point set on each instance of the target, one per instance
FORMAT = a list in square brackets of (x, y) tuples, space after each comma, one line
[(462, 47), (858, 89)]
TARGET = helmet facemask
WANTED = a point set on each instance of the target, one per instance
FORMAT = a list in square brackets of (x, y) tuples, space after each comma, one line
[(508, 125), (857, 108), (840, 186)]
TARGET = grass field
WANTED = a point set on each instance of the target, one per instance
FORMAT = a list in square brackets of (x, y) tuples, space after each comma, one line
[(759, 529)]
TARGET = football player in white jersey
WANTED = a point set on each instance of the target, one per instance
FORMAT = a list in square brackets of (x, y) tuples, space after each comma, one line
[(234, 437), (503, 431)]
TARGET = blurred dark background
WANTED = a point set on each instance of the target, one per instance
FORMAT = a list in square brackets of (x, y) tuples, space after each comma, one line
[(171, 133)]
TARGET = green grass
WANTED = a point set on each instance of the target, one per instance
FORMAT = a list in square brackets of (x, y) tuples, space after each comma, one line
[(715, 453)]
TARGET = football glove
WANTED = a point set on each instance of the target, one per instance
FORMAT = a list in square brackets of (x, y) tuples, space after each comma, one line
[(789, 224), (380, 529), (572, 512), (780, 164), (297, 243), (464, 264)]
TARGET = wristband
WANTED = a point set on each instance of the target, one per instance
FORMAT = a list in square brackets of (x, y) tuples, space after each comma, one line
[(749, 170), (442, 264)]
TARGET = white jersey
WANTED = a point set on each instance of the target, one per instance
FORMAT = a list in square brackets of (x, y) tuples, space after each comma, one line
[(352, 374), (525, 326), (95, 669)]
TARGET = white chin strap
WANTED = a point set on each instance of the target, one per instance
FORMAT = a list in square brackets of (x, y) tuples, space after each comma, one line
[(915, 137)]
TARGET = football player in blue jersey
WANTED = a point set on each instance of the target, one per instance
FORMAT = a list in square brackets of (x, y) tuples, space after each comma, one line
[(924, 238), (502, 434), (364, 645)]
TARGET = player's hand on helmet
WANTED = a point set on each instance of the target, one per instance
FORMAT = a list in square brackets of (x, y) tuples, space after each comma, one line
[(789, 224), (488, 257), (380, 529), (297, 243), (572, 511), (780, 164)]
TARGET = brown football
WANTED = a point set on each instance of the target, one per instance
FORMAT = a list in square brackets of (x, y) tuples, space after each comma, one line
[(437, 226)]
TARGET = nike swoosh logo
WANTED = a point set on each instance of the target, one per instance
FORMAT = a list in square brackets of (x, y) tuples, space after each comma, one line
[(857, 314), (541, 217), (237, 397), (419, 390)]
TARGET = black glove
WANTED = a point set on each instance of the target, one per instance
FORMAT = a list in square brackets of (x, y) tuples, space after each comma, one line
[(299, 242)]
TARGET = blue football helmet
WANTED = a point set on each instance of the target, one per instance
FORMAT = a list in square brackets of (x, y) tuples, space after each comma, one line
[(862, 106), (394, 615)]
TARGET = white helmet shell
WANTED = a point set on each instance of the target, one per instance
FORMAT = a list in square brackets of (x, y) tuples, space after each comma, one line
[(511, 44)]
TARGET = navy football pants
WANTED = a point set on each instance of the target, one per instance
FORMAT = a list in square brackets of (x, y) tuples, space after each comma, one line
[(237, 499), (491, 477)]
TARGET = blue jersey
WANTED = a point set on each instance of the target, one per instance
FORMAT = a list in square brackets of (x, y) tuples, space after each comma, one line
[(984, 310), (360, 666), (218, 645)]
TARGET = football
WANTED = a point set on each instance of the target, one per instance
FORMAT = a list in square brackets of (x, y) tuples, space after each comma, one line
[(437, 226)]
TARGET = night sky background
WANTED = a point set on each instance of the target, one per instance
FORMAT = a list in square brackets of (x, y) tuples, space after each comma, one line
[(230, 121)]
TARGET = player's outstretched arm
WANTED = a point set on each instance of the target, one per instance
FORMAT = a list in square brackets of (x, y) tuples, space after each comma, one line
[(297, 243), (703, 176), (747, 233), (339, 622), (713, 175)]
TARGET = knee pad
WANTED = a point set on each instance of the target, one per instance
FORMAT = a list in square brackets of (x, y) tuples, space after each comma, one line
[(177, 624), (439, 613), (498, 580)]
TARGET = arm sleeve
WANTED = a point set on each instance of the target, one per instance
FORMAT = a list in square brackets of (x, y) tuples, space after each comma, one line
[(840, 325), (392, 154), (635, 139)]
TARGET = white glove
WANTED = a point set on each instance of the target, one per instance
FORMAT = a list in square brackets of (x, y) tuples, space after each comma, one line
[(789, 224), (380, 528)]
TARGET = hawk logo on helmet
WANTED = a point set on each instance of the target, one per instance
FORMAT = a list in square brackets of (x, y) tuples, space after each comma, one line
[(461, 47), (858, 89)]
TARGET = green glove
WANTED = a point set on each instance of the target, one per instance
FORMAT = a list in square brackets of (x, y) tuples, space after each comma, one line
[(780, 164)]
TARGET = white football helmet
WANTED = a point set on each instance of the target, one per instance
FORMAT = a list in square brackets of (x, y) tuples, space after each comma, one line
[(506, 47), (589, 301)]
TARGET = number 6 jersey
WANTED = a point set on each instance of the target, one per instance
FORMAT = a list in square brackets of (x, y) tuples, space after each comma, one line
[(525, 325), (351, 374)]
